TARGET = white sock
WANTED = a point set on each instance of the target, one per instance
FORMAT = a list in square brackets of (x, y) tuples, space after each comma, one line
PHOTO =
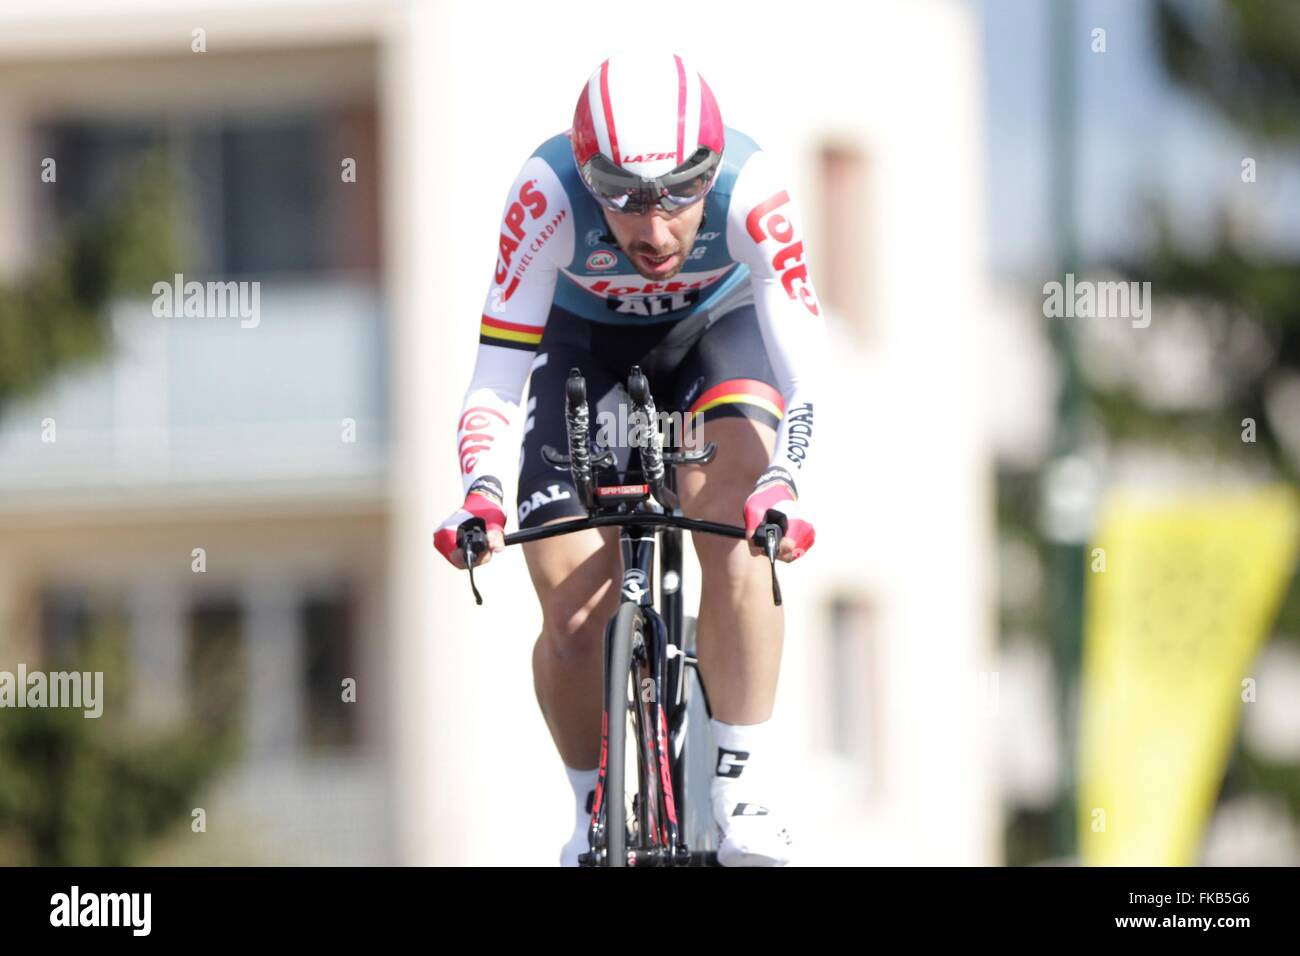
[(584, 790), (740, 793), (738, 746)]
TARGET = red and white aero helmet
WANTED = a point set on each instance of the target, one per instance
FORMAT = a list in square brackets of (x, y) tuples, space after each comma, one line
[(647, 132)]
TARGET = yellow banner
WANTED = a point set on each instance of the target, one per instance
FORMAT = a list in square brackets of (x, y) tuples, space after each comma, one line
[(1180, 594)]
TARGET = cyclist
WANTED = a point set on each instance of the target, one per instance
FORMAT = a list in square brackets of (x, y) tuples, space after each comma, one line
[(651, 234)]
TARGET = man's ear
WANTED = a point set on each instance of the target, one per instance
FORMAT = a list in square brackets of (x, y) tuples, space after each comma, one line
[(607, 237)]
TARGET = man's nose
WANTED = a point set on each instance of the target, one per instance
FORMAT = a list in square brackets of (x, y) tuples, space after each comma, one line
[(653, 229)]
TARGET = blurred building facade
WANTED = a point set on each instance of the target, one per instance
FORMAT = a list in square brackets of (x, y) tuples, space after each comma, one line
[(310, 457)]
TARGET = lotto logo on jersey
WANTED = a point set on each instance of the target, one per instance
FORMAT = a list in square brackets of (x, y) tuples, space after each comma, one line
[(764, 222), (476, 433), (607, 287), (633, 295)]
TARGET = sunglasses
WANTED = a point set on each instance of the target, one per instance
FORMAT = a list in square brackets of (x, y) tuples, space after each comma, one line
[(621, 191)]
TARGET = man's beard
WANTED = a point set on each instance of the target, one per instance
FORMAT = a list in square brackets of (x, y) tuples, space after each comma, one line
[(681, 251)]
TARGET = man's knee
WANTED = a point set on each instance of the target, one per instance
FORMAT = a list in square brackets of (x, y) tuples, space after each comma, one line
[(569, 623), (577, 593), (723, 558)]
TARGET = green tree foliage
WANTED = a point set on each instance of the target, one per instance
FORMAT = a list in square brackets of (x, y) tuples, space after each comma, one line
[(55, 315), (93, 791), (1241, 58), (75, 790)]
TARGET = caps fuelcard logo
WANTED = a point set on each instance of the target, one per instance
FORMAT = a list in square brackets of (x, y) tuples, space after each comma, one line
[(513, 233), (602, 260)]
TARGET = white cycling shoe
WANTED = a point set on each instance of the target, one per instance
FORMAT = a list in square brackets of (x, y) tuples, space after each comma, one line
[(576, 846), (750, 834)]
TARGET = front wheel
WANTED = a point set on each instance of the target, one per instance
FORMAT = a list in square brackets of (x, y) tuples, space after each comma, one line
[(619, 686)]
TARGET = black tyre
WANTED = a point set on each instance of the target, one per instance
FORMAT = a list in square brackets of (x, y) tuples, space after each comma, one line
[(618, 680)]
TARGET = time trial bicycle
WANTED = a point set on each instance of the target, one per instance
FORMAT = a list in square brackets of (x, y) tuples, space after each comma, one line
[(654, 747)]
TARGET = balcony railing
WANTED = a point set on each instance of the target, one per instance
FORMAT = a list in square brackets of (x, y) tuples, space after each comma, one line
[(300, 396)]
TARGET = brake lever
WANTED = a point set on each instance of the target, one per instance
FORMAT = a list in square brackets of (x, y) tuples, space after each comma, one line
[(471, 537), (768, 536)]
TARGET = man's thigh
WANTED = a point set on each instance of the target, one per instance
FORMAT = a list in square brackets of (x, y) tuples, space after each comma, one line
[(727, 387), (717, 491)]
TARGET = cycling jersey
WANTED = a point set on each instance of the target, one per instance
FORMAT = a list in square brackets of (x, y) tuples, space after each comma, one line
[(555, 253)]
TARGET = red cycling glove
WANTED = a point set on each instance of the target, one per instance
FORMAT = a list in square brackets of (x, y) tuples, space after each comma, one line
[(775, 489), (483, 500)]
